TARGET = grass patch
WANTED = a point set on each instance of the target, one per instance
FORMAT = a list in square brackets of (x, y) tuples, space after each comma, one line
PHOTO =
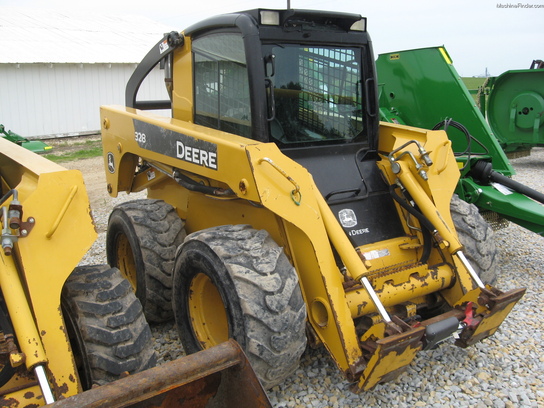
[(83, 144), (63, 152), (473, 83), (80, 154)]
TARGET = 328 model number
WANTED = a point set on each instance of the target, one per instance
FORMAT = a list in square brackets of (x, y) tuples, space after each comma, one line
[(175, 144), (139, 137)]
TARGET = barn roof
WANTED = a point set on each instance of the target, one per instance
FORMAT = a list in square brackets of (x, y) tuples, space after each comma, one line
[(52, 36)]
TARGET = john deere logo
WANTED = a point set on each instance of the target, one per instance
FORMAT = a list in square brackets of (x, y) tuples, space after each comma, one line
[(347, 218), (111, 163)]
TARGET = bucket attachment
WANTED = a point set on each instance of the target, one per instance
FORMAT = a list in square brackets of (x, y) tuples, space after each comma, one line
[(217, 377)]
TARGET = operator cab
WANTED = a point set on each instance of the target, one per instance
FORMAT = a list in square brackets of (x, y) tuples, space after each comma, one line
[(292, 77), (304, 80), (311, 90)]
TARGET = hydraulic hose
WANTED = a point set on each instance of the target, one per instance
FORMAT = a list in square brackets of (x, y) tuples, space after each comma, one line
[(192, 185), (483, 171), (469, 138), (427, 229), (10, 193)]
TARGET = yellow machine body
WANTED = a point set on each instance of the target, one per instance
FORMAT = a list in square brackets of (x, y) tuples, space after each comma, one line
[(270, 191), (56, 232), (292, 210)]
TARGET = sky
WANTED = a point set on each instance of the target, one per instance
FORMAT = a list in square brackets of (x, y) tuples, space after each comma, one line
[(480, 36)]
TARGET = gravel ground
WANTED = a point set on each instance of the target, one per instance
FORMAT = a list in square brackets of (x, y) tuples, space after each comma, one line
[(506, 370)]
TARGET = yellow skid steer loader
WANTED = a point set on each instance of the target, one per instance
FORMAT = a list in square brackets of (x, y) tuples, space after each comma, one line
[(280, 212)]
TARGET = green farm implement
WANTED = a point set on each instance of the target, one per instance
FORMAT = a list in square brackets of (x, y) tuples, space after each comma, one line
[(35, 146), (421, 88), (514, 105)]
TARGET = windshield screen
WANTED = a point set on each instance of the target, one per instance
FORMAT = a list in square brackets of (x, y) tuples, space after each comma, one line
[(317, 94)]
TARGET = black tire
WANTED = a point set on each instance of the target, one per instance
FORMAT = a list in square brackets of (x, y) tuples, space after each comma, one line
[(260, 304), (478, 239), (142, 239), (6, 372), (106, 325)]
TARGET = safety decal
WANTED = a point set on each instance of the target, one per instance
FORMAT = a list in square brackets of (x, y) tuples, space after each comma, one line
[(174, 144), (164, 46)]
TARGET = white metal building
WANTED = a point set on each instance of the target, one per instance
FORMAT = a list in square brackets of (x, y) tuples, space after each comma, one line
[(57, 68)]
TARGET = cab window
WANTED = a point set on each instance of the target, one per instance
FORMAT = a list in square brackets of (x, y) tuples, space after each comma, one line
[(221, 83), (318, 94)]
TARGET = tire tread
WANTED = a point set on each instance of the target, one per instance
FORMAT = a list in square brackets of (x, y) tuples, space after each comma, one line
[(270, 296), (110, 321)]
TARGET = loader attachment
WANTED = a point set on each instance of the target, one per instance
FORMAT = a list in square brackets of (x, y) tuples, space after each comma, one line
[(217, 377), (468, 324), (392, 355), (479, 325)]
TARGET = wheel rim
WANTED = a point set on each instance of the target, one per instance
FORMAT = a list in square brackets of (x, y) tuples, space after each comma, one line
[(208, 314), (125, 260)]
